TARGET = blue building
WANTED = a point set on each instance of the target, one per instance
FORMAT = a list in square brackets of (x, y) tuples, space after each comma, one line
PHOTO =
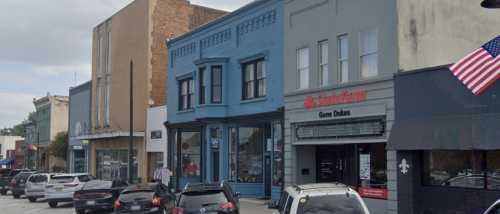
[(79, 126), (225, 101)]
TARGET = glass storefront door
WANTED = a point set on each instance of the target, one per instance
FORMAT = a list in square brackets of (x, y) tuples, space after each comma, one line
[(112, 164)]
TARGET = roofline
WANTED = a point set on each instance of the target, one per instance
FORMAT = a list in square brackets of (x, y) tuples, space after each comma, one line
[(420, 70), (237, 12), (80, 86)]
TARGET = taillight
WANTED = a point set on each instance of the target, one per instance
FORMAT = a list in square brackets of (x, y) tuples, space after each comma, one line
[(177, 210), (227, 206), (156, 201), (117, 204)]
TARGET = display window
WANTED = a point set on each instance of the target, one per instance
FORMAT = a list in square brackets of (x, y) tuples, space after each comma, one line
[(191, 154), (372, 170)]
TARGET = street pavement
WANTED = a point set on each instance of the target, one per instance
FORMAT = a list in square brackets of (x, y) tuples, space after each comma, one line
[(8, 205)]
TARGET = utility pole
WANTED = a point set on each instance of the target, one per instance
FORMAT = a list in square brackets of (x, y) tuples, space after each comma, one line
[(131, 137)]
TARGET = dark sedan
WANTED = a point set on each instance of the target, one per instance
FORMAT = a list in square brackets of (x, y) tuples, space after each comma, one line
[(97, 195), (18, 183), (208, 198), (145, 198)]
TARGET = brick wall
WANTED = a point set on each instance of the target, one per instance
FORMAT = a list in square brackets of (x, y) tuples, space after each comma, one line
[(172, 18)]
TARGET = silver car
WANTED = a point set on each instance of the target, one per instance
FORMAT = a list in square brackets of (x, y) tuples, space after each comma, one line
[(35, 186), (62, 187)]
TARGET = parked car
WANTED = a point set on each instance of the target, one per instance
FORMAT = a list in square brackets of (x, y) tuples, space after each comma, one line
[(98, 195), (145, 198), (18, 183), (494, 208), (208, 198), (6, 177), (35, 186), (62, 187), (320, 198)]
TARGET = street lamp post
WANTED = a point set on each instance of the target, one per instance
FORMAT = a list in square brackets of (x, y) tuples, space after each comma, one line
[(131, 137)]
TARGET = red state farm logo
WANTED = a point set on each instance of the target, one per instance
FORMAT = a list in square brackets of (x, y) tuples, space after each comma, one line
[(345, 97), (309, 102)]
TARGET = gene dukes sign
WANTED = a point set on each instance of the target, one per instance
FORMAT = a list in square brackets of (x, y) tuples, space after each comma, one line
[(344, 97)]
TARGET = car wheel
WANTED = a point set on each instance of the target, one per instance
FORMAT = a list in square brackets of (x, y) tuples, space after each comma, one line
[(80, 211), (53, 204), (32, 199), (16, 196)]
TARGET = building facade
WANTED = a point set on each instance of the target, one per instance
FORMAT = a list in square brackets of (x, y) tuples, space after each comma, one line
[(19, 155), (133, 37), (51, 118), (79, 126), (225, 103), (340, 59), (447, 141), (7, 144), (156, 140)]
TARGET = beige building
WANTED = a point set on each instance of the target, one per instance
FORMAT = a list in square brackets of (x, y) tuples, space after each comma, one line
[(137, 34), (51, 119)]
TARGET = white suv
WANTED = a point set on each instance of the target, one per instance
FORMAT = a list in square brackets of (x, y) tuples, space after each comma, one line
[(62, 187), (320, 198)]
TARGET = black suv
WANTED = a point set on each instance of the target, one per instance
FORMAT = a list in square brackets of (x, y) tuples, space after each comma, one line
[(208, 198), (18, 183)]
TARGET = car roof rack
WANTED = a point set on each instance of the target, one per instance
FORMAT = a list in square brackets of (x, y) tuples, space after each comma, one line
[(302, 188)]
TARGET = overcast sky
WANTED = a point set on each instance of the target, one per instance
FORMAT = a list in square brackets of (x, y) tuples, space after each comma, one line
[(45, 47)]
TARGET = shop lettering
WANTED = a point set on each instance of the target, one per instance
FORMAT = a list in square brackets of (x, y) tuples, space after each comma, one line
[(336, 113), (344, 97)]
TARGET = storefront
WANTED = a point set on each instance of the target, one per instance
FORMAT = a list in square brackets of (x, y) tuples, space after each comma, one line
[(340, 135), (246, 151), (448, 144)]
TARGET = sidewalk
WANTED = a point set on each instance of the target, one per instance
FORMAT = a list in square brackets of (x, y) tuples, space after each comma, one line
[(254, 206)]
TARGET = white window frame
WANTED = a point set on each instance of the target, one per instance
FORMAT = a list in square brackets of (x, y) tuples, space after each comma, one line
[(343, 74), (323, 73), (368, 53), (303, 83)]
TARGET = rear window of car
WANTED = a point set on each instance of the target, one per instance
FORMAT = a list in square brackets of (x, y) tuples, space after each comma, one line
[(14, 173), (341, 204), (197, 200), (38, 178), (62, 179), (23, 175), (143, 193), (98, 185)]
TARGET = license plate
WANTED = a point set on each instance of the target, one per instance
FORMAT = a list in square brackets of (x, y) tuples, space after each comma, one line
[(59, 189), (135, 207), (91, 203)]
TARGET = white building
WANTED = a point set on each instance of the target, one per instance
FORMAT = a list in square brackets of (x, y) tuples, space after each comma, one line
[(156, 139)]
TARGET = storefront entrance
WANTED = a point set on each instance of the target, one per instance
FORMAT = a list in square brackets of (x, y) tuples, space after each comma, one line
[(335, 164)]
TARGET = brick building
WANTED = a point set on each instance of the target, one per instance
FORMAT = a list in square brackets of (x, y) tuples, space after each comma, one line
[(135, 34)]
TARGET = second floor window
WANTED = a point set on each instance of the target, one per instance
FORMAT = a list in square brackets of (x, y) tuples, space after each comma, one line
[(323, 63), (303, 68), (186, 95), (203, 86), (216, 84), (254, 79), (368, 54), (343, 59)]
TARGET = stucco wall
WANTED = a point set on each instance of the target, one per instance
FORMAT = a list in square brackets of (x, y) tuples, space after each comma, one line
[(438, 32), (58, 116)]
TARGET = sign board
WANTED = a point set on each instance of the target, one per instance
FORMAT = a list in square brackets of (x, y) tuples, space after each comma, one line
[(373, 193), (345, 97), (364, 167)]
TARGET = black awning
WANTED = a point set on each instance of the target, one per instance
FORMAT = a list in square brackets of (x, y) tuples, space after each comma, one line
[(471, 132), (434, 110)]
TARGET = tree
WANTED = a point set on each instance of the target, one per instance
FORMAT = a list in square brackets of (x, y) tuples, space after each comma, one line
[(59, 146)]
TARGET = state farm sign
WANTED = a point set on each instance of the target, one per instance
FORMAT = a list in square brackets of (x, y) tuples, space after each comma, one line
[(345, 97)]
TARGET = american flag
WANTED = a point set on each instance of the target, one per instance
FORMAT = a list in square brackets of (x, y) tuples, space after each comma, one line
[(481, 68)]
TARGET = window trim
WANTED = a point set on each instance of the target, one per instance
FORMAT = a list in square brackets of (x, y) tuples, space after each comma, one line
[(189, 95), (212, 85), (301, 69), (255, 81), (368, 53), (202, 87)]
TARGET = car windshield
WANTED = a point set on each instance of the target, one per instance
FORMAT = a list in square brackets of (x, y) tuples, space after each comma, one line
[(330, 204), (62, 179), (197, 200), (38, 178), (97, 184)]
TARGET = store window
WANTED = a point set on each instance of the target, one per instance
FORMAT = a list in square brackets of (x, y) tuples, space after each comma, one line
[(216, 84), (112, 164), (462, 169), (155, 161), (250, 167), (80, 161), (233, 153), (368, 54), (191, 155), (303, 68), (278, 155), (372, 166)]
